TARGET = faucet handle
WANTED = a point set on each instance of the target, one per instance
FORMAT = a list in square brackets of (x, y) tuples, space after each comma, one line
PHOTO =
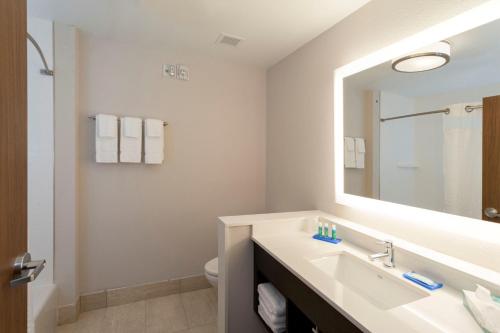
[(387, 243)]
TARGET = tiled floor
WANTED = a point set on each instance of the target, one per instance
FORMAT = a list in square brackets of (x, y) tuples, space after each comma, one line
[(191, 312)]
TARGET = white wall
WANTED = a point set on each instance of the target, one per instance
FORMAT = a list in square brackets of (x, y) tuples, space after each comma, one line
[(411, 154), (300, 141), (473, 94), (41, 150), (66, 169), (398, 158), (429, 192), (358, 122), (143, 223)]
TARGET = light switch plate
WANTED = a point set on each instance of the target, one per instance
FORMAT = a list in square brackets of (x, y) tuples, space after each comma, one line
[(182, 72), (169, 70)]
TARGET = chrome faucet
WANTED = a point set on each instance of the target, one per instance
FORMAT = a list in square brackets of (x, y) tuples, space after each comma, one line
[(388, 255)]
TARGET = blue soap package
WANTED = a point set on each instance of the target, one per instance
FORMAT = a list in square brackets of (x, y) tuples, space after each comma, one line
[(422, 281)]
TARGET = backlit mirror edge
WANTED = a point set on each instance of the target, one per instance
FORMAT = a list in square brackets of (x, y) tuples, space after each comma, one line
[(478, 16)]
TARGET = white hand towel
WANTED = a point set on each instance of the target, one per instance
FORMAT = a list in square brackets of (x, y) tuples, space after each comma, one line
[(153, 141), (277, 303), (349, 153), (106, 138), (130, 140), (360, 153), (153, 128), (275, 328), (132, 127)]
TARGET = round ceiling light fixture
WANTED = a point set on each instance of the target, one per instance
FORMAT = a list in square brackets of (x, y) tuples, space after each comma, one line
[(425, 59)]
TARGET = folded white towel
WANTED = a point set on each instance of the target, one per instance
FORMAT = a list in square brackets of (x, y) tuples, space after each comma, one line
[(274, 299), (153, 141), (264, 300), (483, 308), (349, 153), (130, 140), (275, 328), (275, 319), (106, 138)]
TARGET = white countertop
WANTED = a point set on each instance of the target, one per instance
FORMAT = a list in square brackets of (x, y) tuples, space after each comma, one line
[(441, 311), (244, 220)]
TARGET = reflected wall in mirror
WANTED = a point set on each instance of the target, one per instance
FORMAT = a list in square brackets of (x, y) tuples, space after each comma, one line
[(430, 138)]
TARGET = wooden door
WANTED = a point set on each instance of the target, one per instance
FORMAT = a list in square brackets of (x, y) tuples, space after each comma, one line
[(13, 161), (491, 155)]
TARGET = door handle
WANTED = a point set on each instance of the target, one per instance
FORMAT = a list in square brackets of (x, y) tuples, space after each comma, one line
[(491, 212), (26, 270)]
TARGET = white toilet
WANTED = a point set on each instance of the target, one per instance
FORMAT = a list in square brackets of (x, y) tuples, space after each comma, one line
[(212, 271)]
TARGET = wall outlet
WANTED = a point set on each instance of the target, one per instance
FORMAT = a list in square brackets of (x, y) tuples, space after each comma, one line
[(182, 72), (169, 70)]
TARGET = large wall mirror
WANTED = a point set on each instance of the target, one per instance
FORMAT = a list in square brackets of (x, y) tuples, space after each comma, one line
[(421, 128)]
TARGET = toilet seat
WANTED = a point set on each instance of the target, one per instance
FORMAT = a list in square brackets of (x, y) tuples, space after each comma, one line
[(212, 267)]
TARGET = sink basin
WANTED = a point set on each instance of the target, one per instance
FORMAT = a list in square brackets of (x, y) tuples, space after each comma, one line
[(378, 287)]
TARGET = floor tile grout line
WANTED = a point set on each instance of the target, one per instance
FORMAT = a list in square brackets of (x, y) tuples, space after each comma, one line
[(206, 296), (200, 325), (185, 313)]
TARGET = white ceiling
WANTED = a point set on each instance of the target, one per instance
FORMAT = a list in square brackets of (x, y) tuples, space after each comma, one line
[(475, 62), (272, 29)]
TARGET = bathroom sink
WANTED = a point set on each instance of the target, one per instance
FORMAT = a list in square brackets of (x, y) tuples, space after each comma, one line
[(353, 275)]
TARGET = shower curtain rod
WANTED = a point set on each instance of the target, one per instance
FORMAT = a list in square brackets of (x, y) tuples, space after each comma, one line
[(468, 108), (445, 111), (46, 70)]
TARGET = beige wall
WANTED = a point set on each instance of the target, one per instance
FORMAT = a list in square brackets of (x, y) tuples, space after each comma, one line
[(300, 122), (358, 122), (142, 223)]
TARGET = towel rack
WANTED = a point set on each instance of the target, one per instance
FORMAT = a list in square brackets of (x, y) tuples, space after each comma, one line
[(93, 118)]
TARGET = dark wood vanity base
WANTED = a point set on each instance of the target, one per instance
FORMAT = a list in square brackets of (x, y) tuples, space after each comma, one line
[(306, 310)]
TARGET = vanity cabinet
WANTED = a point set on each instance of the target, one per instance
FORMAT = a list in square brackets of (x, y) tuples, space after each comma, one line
[(306, 310)]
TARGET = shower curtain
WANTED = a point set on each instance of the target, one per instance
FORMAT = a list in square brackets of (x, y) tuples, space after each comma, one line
[(462, 161)]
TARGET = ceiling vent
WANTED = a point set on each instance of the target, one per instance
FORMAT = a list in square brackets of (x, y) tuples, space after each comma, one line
[(228, 40)]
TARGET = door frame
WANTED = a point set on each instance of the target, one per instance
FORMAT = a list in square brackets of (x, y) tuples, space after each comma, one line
[(13, 161)]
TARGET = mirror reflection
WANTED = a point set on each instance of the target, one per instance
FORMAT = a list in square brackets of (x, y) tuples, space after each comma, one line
[(423, 129)]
